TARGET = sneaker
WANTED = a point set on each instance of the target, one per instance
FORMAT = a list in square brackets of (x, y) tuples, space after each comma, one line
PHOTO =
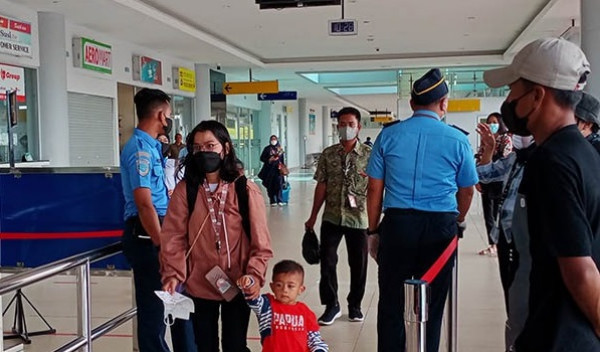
[(273, 204), (330, 315), (354, 314), (281, 204)]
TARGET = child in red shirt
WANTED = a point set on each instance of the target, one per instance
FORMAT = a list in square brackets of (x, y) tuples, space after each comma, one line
[(284, 323)]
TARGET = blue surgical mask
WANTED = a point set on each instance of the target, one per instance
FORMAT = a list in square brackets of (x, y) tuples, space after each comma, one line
[(494, 127)]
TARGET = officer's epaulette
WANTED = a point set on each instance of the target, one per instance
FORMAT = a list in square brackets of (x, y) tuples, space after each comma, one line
[(388, 124), (460, 129)]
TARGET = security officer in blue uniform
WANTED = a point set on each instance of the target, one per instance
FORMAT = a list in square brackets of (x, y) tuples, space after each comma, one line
[(146, 202), (428, 172)]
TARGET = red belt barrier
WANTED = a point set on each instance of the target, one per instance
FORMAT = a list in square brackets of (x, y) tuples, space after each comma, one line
[(433, 272), (58, 235)]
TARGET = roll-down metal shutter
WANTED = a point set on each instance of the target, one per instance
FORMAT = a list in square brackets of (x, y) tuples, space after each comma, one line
[(91, 130)]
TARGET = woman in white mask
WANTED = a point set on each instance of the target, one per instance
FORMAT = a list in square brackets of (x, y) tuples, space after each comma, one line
[(491, 192)]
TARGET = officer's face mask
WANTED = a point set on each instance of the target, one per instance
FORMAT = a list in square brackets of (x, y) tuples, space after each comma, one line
[(516, 124), (177, 306), (208, 161), (169, 125), (348, 133)]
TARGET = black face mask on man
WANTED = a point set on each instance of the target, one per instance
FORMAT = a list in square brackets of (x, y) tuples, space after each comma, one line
[(169, 126), (515, 123), (208, 161)]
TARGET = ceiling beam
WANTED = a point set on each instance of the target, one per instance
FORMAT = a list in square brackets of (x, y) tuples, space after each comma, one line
[(525, 32), (178, 24)]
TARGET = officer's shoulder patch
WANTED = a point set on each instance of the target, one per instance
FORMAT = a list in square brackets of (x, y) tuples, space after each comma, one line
[(142, 162), (388, 124)]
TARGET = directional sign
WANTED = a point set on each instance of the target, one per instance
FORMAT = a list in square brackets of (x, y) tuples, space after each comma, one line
[(250, 87), (283, 95)]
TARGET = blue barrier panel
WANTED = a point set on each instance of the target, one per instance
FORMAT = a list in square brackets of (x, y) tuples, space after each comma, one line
[(46, 216)]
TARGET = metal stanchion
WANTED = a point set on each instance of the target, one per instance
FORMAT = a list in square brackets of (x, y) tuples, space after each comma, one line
[(415, 314), (453, 310)]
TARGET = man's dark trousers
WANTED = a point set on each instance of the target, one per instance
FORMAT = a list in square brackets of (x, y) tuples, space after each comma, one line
[(357, 248), (410, 242)]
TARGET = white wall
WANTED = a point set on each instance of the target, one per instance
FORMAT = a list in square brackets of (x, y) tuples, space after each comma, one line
[(24, 14)]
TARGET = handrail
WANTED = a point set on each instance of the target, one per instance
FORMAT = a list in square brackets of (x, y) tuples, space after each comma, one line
[(81, 261), (29, 277)]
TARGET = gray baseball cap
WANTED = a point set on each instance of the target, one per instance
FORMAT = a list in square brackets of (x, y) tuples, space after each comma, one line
[(551, 62)]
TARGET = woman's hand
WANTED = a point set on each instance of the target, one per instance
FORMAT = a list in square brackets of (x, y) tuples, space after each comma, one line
[(488, 143), (171, 285), (249, 286)]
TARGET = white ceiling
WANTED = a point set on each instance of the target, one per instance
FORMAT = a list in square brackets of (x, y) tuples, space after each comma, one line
[(278, 43)]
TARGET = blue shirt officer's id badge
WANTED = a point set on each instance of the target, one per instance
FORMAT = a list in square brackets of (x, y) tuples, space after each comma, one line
[(143, 163)]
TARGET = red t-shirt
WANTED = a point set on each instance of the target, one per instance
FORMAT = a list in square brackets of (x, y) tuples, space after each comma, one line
[(289, 327)]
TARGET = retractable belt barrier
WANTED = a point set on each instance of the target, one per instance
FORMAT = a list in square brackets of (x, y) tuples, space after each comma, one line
[(416, 303)]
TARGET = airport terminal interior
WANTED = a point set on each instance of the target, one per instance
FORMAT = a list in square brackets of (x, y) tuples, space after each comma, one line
[(69, 74)]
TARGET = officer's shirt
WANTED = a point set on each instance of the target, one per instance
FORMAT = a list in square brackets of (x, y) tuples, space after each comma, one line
[(142, 167), (423, 162)]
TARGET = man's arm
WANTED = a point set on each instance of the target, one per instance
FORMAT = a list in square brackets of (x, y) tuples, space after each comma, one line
[(464, 197), (582, 279), (147, 213), (319, 199), (374, 201)]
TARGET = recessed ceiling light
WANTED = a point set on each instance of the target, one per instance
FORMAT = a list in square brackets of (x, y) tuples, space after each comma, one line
[(466, 35), (366, 22), (471, 18), (370, 39)]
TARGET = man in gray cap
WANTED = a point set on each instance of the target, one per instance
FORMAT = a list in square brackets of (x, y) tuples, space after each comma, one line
[(428, 172), (586, 114), (561, 195)]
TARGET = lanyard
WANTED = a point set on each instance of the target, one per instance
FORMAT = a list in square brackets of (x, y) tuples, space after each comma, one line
[(216, 217)]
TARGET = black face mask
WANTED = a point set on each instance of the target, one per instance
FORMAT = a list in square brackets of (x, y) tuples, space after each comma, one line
[(515, 123), (208, 161), (169, 126), (165, 149)]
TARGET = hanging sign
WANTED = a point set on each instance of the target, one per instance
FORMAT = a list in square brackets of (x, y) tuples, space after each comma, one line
[(184, 79), (15, 37), (147, 69), (92, 55), (12, 78)]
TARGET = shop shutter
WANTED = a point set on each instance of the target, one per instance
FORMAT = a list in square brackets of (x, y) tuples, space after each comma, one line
[(91, 130)]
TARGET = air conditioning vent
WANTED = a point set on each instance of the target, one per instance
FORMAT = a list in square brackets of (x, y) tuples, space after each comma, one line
[(280, 4)]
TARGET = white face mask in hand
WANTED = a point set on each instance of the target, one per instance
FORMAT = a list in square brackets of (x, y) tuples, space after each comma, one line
[(176, 306), (347, 133)]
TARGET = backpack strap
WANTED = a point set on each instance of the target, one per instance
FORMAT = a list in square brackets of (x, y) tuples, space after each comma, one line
[(242, 195)]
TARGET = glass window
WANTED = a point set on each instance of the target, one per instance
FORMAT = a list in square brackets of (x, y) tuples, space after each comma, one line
[(25, 133), (183, 111)]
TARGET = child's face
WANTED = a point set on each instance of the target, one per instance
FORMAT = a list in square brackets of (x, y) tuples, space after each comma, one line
[(287, 286)]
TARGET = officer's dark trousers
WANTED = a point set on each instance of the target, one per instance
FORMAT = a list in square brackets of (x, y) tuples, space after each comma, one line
[(235, 316), (410, 242), (357, 248), (143, 258), (508, 262)]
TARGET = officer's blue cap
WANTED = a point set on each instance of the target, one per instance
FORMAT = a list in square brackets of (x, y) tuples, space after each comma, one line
[(588, 109), (429, 88)]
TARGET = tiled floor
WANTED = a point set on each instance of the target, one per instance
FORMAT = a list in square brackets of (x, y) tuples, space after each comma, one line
[(481, 310)]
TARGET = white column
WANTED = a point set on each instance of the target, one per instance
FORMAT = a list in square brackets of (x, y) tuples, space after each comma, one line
[(202, 106), (590, 32), (327, 132), (54, 112), (303, 117)]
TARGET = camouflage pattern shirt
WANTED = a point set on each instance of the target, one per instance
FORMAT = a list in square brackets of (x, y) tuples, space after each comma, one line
[(346, 179)]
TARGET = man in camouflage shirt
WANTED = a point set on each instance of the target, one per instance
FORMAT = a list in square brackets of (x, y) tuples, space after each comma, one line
[(342, 185)]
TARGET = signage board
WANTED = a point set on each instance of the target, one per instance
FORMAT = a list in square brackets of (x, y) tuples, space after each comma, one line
[(92, 55), (184, 79), (282, 95), (12, 78), (343, 27), (250, 87), (147, 69), (464, 105), (15, 37)]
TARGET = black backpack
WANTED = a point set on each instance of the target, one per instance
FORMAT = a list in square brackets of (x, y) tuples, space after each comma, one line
[(242, 196)]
